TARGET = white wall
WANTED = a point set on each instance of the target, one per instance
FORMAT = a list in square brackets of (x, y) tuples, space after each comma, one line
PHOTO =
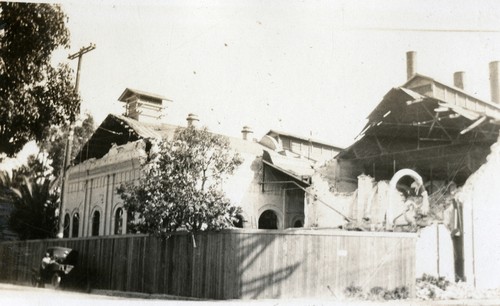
[(243, 188), (480, 197), (434, 252), (92, 186)]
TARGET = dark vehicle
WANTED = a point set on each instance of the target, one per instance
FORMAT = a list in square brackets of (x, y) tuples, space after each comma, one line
[(61, 271)]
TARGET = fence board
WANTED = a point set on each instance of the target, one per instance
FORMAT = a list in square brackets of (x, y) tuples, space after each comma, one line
[(232, 264)]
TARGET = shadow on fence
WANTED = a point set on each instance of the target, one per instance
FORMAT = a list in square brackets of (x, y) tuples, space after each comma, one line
[(231, 264)]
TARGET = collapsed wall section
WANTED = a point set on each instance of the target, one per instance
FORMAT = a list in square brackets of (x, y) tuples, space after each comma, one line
[(338, 200)]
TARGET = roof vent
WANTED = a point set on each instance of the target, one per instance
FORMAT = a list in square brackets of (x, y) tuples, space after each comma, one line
[(192, 120), (246, 131)]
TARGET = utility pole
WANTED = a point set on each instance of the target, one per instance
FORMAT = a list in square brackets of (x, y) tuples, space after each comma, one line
[(79, 55), (69, 140)]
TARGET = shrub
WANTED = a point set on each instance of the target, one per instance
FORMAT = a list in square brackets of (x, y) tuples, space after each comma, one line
[(439, 282), (431, 287), (353, 291), (377, 293)]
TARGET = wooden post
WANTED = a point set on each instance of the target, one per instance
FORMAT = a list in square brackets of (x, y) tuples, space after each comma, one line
[(437, 246), (69, 141)]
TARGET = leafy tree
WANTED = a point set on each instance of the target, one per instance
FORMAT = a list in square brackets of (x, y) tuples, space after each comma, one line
[(5, 200), (5, 185), (181, 186), (33, 93), (34, 214), (27, 194), (35, 169), (54, 142)]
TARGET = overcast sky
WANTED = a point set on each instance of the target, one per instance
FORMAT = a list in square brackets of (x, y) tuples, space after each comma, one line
[(304, 67)]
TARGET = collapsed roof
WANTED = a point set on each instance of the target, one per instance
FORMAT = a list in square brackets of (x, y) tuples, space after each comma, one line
[(119, 130), (438, 130)]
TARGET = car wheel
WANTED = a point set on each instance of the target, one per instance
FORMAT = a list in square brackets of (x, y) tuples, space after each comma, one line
[(88, 286), (56, 280), (34, 281)]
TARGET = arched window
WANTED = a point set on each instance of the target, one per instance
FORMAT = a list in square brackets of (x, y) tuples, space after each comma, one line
[(96, 219), (66, 226), (268, 220), (118, 221), (76, 225), (297, 221)]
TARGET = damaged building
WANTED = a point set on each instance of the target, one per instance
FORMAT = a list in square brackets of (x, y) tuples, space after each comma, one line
[(269, 186), (412, 166), (426, 159)]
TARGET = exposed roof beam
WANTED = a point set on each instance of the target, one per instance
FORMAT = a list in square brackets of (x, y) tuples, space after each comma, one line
[(407, 151), (435, 121), (411, 102), (473, 125), (460, 110), (381, 148)]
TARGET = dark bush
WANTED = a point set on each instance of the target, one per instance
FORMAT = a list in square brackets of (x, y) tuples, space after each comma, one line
[(439, 282), (378, 293), (353, 291)]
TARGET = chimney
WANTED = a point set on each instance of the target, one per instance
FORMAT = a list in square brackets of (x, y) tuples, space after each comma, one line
[(411, 64), (495, 81), (246, 131), (192, 120), (459, 79)]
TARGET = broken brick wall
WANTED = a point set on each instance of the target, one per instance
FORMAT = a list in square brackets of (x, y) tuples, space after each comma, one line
[(363, 200)]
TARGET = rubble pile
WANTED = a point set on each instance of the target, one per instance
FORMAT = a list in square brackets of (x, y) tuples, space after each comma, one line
[(431, 288)]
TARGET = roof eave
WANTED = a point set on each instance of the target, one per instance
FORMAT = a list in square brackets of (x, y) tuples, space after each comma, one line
[(457, 89), (305, 139), (294, 176)]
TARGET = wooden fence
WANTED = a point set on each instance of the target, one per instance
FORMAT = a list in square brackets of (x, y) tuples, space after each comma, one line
[(232, 264)]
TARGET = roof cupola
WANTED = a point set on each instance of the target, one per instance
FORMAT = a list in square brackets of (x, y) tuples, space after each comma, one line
[(143, 106)]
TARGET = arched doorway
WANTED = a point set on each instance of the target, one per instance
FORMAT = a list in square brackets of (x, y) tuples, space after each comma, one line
[(76, 225), (96, 220), (268, 220)]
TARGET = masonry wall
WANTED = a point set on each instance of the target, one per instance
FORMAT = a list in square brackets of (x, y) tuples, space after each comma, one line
[(92, 186), (480, 198), (246, 189), (434, 252), (321, 199), (366, 206)]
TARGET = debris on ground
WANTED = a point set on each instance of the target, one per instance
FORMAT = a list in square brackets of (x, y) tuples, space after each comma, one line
[(432, 288)]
